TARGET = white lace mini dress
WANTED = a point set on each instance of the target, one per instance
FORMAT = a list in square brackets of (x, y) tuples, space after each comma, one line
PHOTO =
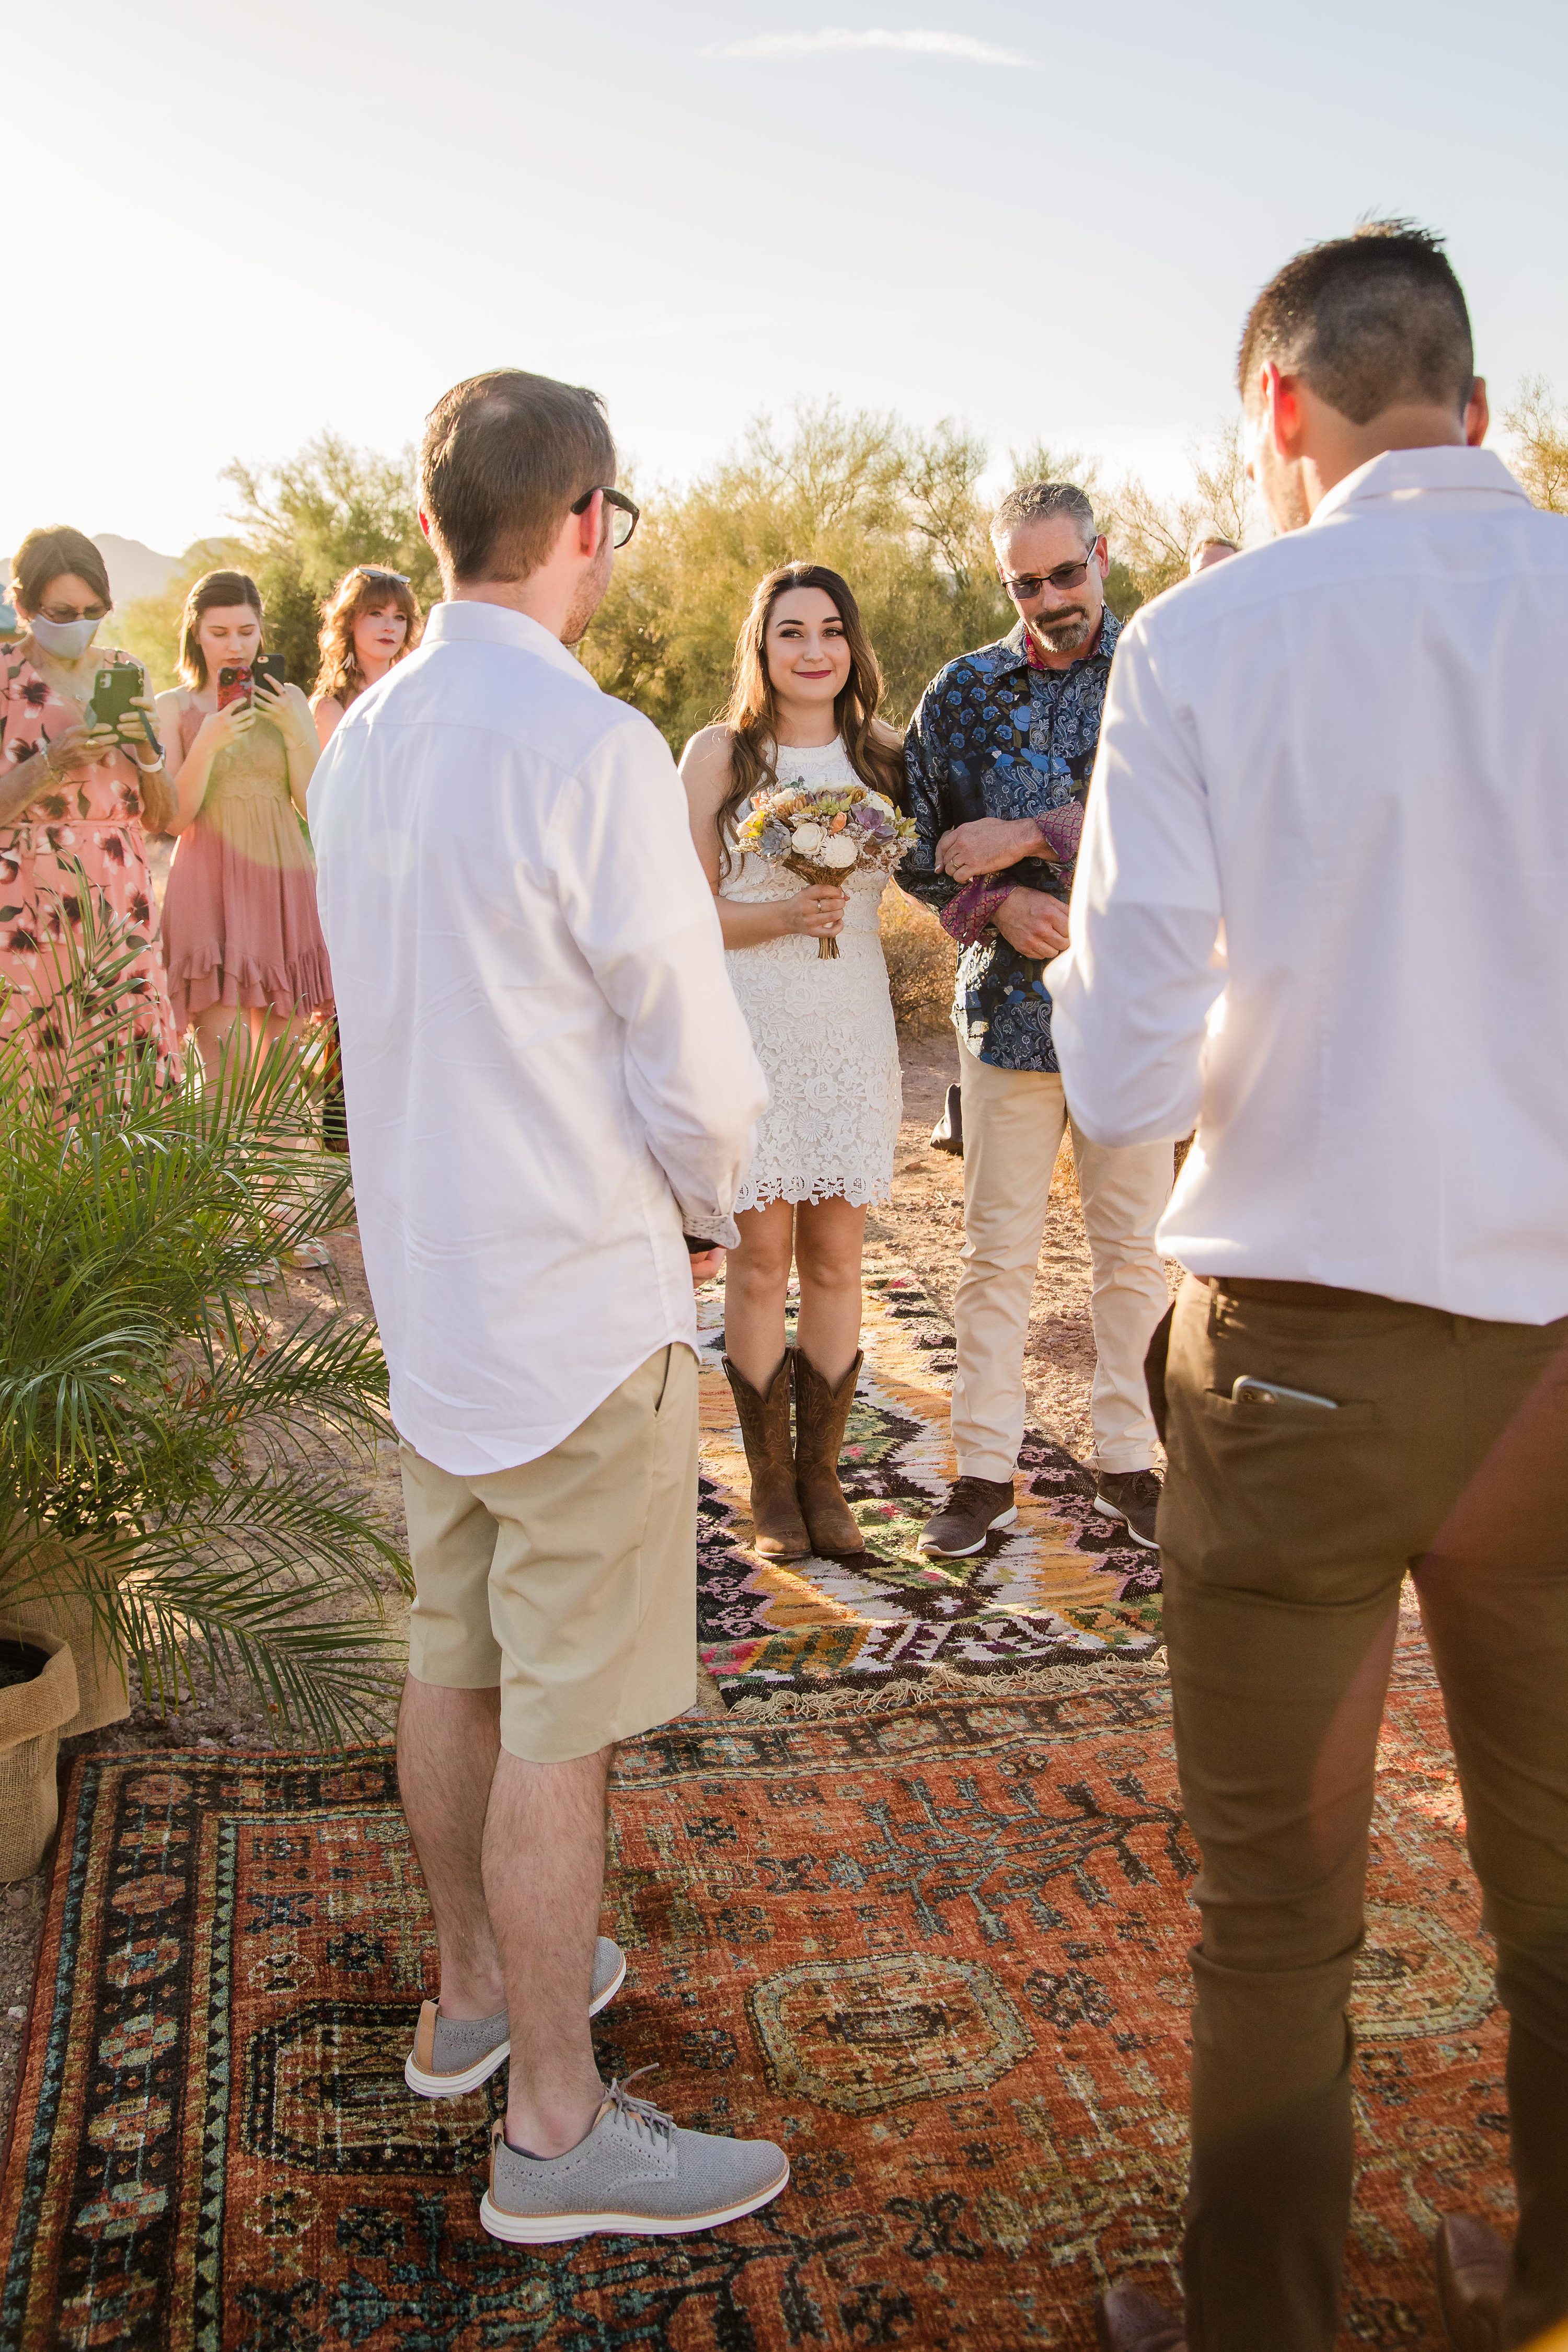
[(823, 1028)]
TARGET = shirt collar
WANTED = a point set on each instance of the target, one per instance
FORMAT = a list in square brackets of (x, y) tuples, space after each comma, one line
[(470, 622), (1015, 645), (1407, 473)]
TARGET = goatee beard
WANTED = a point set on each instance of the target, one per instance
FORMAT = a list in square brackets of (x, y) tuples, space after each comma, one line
[(1064, 636)]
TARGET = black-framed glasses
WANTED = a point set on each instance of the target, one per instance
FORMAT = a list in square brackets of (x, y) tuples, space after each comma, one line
[(624, 511), (1029, 585)]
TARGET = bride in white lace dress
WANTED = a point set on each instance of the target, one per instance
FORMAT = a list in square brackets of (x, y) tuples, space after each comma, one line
[(802, 708)]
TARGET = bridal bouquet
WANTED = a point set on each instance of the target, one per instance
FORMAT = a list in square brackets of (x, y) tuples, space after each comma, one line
[(824, 833)]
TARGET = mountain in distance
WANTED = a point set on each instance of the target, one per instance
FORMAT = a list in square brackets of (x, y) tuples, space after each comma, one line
[(134, 570)]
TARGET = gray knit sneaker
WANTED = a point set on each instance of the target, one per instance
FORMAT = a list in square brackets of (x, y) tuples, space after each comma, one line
[(455, 2054), (637, 2175)]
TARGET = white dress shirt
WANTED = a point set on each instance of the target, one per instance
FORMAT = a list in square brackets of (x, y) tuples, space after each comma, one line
[(1351, 748), (545, 1071)]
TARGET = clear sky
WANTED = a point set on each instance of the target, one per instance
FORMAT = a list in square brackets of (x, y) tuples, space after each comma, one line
[(229, 228)]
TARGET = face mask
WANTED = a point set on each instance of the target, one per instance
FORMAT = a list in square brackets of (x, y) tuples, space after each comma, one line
[(67, 640)]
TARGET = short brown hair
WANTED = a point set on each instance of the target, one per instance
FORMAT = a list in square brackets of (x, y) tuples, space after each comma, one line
[(505, 457), (46, 555), (212, 588), (1366, 321)]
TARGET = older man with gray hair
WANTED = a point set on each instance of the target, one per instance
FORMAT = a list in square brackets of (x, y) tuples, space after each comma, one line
[(999, 755)]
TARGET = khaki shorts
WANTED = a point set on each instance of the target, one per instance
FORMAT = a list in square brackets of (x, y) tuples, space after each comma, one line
[(571, 1581)]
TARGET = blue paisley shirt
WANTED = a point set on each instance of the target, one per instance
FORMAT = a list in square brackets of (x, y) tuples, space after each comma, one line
[(995, 737)]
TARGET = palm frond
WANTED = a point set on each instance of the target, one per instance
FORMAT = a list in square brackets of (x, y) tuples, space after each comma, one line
[(161, 1449)]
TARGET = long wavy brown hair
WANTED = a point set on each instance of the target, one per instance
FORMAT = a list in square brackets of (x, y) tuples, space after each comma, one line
[(366, 588), (750, 714)]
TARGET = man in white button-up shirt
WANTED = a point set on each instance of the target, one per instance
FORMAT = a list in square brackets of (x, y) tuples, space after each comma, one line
[(1321, 910), (548, 1083)]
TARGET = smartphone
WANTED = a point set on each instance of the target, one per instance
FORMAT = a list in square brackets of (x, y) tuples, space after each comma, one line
[(113, 692), (1271, 1392), (268, 669), (233, 685)]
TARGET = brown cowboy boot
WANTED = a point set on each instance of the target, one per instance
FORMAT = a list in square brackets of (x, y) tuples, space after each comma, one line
[(764, 1429), (820, 1416)]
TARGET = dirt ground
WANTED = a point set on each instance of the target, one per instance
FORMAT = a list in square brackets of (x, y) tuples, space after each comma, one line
[(925, 1226)]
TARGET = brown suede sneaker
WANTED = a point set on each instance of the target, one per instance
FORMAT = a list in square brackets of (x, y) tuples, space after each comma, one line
[(1132, 1496), (974, 1506)]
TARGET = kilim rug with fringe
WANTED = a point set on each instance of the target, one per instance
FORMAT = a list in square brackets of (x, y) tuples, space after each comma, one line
[(939, 1953), (1058, 1588)]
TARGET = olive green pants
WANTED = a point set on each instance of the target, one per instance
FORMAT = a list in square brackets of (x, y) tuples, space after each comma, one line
[(1287, 1532)]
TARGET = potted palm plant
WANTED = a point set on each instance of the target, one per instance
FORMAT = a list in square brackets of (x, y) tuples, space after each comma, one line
[(177, 1463)]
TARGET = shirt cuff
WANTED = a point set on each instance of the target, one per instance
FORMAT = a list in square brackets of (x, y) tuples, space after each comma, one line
[(711, 1233)]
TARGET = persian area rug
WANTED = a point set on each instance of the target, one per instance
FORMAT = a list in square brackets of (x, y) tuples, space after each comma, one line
[(939, 1954), (1056, 1588)]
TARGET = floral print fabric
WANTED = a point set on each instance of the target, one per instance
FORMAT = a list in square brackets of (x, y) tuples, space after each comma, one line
[(996, 736), (84, 826)]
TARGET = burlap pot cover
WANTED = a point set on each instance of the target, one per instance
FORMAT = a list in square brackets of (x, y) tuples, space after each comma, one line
[(104, 1697), (31, 1715)]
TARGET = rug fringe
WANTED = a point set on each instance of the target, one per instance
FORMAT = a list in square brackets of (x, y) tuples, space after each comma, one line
[(979, 1690)]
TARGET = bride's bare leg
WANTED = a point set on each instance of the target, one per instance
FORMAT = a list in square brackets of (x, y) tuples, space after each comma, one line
[(828, 1235), (756, 1282)]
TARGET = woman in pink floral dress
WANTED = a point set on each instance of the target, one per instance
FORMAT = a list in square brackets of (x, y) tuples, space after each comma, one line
[(74, 801)]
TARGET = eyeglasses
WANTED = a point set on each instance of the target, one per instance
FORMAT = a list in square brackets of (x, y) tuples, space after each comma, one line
[(375, 572), (1028, 585), (63, 613), (624, 513)]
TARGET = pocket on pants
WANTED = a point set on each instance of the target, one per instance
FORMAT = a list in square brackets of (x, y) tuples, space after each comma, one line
[(1244, 1413), (1277, 1498)]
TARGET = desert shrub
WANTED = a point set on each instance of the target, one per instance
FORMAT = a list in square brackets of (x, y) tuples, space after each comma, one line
[(298, 527), (921, 960)]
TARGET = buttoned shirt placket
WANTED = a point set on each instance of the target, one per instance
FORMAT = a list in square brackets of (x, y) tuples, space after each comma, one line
[(1002, 1006)]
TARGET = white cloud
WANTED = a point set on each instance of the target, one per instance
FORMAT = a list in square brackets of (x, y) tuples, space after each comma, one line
[(835, 38)]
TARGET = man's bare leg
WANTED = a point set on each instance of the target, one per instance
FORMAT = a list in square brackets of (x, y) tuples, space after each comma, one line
[(448, 1742), (545, 1881)]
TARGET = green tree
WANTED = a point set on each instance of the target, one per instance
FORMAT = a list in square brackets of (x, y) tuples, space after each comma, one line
[(1154, 536), (1539, 431), (307, 520), (898, 512), (296, 528)]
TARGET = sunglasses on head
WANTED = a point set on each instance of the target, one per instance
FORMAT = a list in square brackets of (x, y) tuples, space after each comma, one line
[(624, 513), (1029, 585)]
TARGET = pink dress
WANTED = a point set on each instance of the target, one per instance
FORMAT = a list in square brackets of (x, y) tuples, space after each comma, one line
[(85, 825), (240, 925)]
